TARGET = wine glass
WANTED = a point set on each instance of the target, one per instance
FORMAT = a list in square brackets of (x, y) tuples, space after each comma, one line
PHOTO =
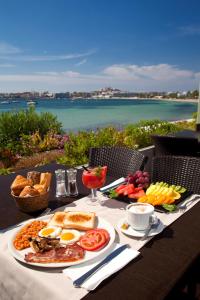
[(94, 178)]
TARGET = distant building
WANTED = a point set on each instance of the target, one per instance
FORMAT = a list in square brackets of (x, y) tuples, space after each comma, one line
[(62, 95)]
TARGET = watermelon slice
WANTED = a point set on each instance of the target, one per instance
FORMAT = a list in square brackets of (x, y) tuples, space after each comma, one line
[(129, 190), (122, 186), (137, 195)]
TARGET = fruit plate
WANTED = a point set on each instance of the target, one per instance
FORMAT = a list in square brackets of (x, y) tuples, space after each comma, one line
[(89, 255), (158, 208)]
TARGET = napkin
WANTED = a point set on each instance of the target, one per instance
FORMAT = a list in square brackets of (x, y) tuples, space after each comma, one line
[(117, 263), (114, 183)]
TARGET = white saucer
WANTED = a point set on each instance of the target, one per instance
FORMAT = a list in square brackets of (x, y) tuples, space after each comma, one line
[(139, 233)]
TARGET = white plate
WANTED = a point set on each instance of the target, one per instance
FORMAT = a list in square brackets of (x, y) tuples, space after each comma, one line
[(139, 233), (89, 255)]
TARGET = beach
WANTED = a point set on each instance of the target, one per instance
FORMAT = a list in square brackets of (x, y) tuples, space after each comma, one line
[(159, 99)]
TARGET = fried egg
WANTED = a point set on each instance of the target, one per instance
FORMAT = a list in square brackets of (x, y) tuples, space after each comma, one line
[(50, 232), (69, 236)]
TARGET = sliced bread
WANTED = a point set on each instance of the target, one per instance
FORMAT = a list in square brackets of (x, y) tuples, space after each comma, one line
[(58, 219), (79, 220)]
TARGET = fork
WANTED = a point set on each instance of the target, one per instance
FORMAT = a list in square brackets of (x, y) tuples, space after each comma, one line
[(186, 204)]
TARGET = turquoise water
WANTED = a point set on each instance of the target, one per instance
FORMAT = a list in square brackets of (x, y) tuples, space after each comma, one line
[(92, 113)]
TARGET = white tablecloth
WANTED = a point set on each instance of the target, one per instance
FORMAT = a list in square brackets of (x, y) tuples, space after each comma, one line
[(21, 282)]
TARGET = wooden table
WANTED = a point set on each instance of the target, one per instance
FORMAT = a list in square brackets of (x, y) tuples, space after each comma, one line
[(166, 263)]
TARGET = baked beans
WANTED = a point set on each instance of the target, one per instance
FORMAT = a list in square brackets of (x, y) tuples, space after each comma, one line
[(30, 230)]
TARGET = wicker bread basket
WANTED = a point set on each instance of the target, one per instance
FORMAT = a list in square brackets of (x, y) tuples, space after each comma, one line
[(32, 203)]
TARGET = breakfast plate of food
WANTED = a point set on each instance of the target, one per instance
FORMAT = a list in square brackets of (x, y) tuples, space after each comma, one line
[(62, 239)]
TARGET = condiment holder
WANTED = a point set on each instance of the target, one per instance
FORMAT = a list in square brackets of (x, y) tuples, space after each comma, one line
[(60, 183)]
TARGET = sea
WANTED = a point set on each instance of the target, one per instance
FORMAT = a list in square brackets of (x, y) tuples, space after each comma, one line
[(86, 114)]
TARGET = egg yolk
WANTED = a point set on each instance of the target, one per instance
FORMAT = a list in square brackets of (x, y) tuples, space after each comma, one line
[(47, 231), (67, 236)]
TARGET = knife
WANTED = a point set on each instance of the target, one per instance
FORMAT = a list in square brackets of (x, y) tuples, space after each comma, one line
[(113, 185), (78, 282)]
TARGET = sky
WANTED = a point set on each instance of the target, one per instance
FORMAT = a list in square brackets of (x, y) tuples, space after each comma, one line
[(84, 45)]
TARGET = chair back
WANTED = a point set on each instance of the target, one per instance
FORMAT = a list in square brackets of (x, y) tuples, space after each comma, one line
[(120, 160), (172, 145), (177, 170)]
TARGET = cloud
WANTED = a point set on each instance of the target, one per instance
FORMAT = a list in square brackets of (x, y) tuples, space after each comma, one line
[(189, 30), (8, 49), (7, 66), (160, 77), (71, 74), (34, 58), (158, 72), (82, 62)]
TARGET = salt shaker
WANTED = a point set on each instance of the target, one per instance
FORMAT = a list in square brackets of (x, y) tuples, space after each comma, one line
[(72, 184), (60, 183)]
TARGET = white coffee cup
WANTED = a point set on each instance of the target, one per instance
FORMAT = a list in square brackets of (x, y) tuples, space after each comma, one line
[(140, 215)]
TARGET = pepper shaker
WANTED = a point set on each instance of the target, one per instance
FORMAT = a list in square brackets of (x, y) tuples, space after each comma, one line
[(72, 184)]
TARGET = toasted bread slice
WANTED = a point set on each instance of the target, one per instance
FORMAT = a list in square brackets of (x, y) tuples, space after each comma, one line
[(58, 219), (79, 220)]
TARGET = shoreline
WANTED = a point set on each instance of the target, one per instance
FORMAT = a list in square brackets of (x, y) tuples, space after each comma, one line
[(153, 99), (113, 98)]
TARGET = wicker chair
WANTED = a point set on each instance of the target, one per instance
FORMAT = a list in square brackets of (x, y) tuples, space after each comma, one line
[(172, 145), (178, 170), (120, 160)]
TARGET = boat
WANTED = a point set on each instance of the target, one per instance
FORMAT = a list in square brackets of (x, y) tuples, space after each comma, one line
[(5, 102), (31, 103)]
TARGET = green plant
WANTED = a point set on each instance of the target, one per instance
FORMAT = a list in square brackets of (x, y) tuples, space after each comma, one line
[(133, 136), (25, 133), (139, 134), (25, 122), (5, 171)]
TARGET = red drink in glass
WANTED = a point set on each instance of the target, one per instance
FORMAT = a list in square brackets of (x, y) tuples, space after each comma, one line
[(94, 179)]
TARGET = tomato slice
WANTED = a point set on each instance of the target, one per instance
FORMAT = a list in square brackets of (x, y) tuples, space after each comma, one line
[(93, 240), (105, 232)]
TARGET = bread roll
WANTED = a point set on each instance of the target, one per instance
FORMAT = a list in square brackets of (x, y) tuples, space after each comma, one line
[(58, 219), (45, 180), (29, 191), (34, 176), (40, 188), (19, 183), (79, 220)]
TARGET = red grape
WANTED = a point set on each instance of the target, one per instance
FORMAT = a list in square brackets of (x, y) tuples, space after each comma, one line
[(139, 179), (145, 174)]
